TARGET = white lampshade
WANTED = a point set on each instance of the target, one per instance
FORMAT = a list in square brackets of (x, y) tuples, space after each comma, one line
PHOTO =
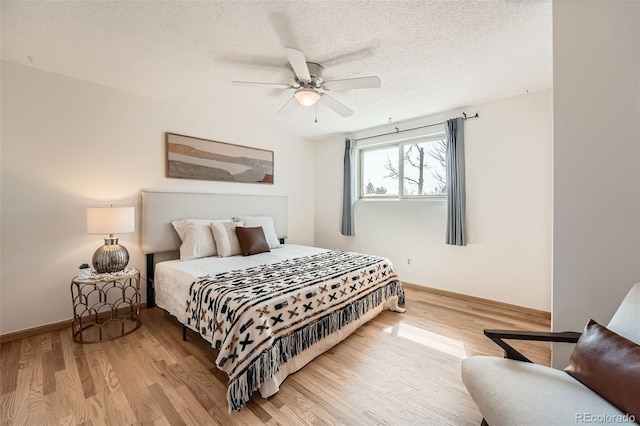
[(306, 97), (110, 220)]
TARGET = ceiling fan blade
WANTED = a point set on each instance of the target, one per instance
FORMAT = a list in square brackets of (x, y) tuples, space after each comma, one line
[(284, 108), (255, 83), (372, 82), (298, 63), (335, 105)]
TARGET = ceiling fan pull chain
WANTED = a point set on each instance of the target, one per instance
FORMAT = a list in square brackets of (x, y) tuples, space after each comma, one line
[(316, 112)]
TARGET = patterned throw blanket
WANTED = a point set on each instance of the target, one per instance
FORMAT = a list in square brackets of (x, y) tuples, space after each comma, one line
[(259, 318)]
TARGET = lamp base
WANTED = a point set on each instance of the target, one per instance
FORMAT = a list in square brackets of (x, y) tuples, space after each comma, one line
[(111, 257)]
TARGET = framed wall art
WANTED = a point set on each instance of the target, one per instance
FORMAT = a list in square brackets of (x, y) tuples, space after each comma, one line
[(196, 158)]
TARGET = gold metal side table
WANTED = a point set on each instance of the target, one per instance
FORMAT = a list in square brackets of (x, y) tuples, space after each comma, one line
[(105, 306)]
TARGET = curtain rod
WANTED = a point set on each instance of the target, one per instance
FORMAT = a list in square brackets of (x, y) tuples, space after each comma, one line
[(415, 128)]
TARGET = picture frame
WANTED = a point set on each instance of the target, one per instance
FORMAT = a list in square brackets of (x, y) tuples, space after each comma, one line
[(189, 157)]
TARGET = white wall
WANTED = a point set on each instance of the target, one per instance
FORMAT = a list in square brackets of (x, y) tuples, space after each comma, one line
[(508, 257), (67, 145), (596, 189)]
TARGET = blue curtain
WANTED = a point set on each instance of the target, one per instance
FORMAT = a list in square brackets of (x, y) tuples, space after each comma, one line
[(455, 182), (349, 189)]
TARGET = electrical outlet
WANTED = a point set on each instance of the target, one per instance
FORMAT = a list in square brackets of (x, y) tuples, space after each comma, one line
[(409, 262)]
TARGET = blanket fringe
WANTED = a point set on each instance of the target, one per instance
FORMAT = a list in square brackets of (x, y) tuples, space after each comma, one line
[(286, 347)]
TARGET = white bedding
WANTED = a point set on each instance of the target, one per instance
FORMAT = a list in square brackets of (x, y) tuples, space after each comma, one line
[(172, 278)]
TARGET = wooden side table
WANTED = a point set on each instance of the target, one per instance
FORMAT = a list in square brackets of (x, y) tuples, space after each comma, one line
[(105, 306)]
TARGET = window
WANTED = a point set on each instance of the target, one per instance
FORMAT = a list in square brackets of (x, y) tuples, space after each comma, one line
[(407, 169)]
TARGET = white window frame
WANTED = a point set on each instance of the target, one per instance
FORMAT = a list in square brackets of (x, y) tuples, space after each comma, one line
[(400, 144)]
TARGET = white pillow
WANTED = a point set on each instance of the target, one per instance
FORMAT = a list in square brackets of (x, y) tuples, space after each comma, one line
[(196, 237), (226, 238), (267, 226)]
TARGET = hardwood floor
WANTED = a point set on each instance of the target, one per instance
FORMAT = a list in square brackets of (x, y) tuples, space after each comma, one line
[(397, 369)]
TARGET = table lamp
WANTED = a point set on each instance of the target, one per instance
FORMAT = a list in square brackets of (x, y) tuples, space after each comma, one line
[(111, 257)]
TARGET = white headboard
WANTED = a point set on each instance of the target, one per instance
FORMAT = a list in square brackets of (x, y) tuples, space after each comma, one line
[(159, 209)]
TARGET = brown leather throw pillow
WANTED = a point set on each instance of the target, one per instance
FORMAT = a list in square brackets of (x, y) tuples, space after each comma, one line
[(252, 240), (608, 364)]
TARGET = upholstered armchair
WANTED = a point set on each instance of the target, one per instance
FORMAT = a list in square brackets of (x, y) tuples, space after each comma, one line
[(600, 386)]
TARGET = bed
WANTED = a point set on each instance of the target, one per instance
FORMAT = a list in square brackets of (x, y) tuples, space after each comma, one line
[(269, 314)]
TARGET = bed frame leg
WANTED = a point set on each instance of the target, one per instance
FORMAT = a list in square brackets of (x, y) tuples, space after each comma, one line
[(184, 333)]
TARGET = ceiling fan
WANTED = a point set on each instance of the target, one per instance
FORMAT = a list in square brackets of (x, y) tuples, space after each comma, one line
[(309, 86)]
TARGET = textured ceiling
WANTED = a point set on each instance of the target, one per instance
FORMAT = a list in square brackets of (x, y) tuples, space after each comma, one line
[(431, 56)]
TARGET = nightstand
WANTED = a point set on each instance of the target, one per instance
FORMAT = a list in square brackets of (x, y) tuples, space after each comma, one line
[(105, 306)]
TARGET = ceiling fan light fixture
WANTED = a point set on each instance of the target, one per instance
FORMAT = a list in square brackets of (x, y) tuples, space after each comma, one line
[(307, 97)]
